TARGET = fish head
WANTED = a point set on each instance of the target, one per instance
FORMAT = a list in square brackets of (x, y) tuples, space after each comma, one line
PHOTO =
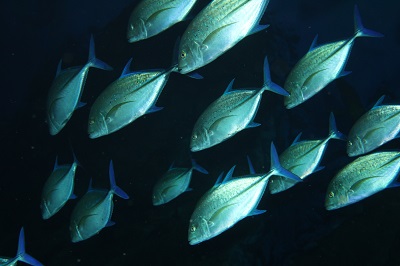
[(75, 232), (56, 121), (136, 30), (296, 96), (97, 126), (46, 210), (200, 139), (355, 146), (158, 199), (336, 197), (190, 57), (199, 230)]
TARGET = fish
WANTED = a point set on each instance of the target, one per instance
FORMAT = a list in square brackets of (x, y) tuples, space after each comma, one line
[(302, 158), (94, 210), (58, 188), (217, 28), (230, 113), (150, 17), (66, 91), (379, 125), (21, 254), (365, 176), (321, 65), (231, 200), (173, 183), (126, 99)]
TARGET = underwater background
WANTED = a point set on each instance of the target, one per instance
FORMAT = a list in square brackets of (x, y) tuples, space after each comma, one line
[(295, 230)]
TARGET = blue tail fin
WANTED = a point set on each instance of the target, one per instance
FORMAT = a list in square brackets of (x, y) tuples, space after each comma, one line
[(198, 167), (359, 29), (93, 61), (334, 133), (116, 190), (268, 84), (276, 167), (22, 255)]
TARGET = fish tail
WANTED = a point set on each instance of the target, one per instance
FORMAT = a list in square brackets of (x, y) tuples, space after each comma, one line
[(197, 167), (93, 61), (334, 133), (359, 29), (268, 84), (22, 255), (277, 168), (114, 188)]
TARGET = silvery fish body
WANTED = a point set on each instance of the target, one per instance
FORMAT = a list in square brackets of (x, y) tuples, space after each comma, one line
[(65, 92), (126, 99), (376, 127), (230, 113), (218, 27), (225, 117), (21, 254), (151, 17), (58, 189), (230, 201), (362, 178), (321, 65), (93, 211), (303, 157), (173, 183)]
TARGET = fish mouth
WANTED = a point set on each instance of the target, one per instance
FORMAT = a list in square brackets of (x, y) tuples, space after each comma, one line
[(194, 241)]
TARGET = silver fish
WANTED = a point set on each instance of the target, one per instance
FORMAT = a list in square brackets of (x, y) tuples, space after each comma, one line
[(303, 157), (151, 17), (21, 254), (58, 189), (66, 91), (230, 113), (126, 99), (173, 183), (218, 27), (94, 210), (321, 65), (362, 178), (376, 127), (230, 201)]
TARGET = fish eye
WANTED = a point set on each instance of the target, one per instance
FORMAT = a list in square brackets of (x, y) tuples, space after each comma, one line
[(91, 121), (194, 137), (349, 143), (193, 228), (331, 194), (183, 54)]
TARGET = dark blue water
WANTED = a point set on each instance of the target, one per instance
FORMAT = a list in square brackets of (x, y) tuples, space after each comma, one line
[(295, 230)]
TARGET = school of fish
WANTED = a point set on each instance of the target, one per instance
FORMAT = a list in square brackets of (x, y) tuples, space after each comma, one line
[(212, 32)]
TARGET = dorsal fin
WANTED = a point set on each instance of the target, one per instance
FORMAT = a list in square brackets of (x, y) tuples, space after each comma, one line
[(251, 168), (313, 44), (127, 68), (229, 88), (229, 175), (219, 180), (378, 103), (297, 139)]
